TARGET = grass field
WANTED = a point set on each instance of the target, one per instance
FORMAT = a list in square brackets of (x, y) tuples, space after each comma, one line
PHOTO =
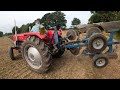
[(66, 67)]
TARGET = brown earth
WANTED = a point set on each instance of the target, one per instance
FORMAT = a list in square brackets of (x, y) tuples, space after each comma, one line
[(66, 67)]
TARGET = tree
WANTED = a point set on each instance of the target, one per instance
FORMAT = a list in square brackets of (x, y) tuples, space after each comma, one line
[(24, 28), (17, 29), (54, 19), (7, 34), (103, 16), (1, 33), (45, 20), (49, 19), (118, 16), (76, 21), (31, 24), (95, 18)]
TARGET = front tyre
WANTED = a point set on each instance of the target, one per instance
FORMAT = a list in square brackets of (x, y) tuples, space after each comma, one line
[(11, 53)]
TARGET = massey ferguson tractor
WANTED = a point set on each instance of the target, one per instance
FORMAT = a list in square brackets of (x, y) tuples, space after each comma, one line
[(38, 48)]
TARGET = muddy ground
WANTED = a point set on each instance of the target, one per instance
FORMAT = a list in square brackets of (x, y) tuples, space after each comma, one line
[(66, 67)]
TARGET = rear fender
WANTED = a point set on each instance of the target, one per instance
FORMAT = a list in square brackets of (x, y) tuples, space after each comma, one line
[(35, 34)]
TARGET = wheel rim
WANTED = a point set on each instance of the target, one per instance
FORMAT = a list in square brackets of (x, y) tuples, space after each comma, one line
[(100, 62), (33, 57), (98, 43)]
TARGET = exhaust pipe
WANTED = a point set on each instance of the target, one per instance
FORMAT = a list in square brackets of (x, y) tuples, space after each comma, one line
[(15, 32)]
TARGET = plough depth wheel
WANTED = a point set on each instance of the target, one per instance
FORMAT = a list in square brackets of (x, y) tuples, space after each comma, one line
[(100, 60), (97, 43)]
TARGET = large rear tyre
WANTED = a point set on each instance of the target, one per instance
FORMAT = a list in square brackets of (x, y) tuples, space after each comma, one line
[(37, 55), (97, 43)]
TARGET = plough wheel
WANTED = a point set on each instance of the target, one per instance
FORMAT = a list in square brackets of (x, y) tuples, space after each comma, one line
[(92, 30), (97, 43), (100, 60)]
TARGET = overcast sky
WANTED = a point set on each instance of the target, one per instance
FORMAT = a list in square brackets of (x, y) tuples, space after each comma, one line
[(24, 17)]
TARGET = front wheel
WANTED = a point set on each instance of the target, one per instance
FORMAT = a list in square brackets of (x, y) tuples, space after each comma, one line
[(11, 53)]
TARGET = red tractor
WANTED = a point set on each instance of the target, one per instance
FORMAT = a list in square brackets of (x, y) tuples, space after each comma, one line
[(38, 49)]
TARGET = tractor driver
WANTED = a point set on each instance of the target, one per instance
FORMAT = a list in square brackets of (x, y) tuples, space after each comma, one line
[(38, 27)]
